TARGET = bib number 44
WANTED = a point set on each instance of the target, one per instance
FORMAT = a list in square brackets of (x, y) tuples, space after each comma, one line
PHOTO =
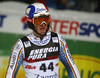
[(44, 68)]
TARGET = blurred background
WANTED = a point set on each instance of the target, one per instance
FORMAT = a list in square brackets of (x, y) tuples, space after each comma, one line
[(79, 5), (78, 21)]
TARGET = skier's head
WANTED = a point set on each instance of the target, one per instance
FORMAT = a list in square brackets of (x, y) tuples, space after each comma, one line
[(38, 18)]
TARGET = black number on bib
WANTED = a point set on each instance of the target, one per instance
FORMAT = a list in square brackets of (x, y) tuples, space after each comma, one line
[(43, 67), (50, 67)]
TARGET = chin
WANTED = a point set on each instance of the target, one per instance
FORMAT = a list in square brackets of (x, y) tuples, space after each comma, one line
[(42, 33)]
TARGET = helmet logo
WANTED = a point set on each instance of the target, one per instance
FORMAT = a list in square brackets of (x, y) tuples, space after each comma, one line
[(39, 10)]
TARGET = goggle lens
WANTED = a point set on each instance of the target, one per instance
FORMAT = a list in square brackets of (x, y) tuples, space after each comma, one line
[(39, 20)]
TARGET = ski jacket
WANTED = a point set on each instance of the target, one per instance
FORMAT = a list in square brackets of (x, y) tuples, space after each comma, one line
[(40, 57)]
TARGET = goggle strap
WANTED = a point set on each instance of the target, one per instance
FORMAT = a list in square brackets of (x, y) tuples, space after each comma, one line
[(29, 19)]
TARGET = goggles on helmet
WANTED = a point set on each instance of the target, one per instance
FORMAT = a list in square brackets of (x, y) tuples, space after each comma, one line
[(39, 20)]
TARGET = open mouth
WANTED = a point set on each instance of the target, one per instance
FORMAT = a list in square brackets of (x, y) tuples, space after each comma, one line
[(42, 29)]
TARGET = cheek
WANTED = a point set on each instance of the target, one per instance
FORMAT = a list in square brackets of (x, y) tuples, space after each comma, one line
[(46, 27), (36, 28)]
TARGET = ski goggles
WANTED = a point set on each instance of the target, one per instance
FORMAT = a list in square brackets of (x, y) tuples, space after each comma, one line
[(39, 20)]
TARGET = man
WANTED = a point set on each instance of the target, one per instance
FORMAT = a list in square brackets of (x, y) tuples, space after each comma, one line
[(38, 52)]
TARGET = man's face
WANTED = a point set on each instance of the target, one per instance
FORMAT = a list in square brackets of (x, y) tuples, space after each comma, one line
[(41, 29)]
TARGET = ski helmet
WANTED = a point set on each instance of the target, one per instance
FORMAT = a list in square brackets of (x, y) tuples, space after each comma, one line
[(34, 11)]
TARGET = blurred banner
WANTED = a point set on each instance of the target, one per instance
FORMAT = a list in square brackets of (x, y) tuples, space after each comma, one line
[(81, 31)]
